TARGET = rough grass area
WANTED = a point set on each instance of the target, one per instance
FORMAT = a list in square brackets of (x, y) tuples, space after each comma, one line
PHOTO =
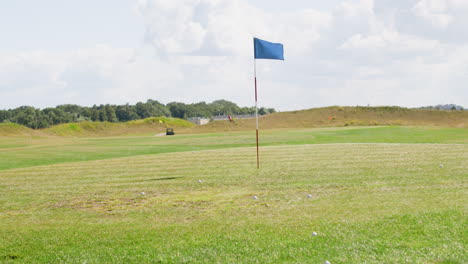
[(344, 116), (14, 130), (371, 203), (148, 125)]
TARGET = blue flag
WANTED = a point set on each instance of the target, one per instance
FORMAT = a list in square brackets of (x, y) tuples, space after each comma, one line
[(268, 50)]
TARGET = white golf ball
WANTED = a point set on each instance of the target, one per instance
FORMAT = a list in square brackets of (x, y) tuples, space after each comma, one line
[(314, 233), (327, 262), (441, 166), (142, 193), (199, 180), (255, 197), (309, 196)]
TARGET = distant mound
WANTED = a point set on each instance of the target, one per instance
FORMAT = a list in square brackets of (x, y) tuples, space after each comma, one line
[(343, 116), (11, 129), (91, 129)]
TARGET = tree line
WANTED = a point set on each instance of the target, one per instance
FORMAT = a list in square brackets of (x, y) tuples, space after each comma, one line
[(452, 107), (42, 118)]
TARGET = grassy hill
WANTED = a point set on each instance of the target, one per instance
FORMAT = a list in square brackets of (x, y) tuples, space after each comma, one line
[(94, 129), (148, 125), (11, 129), (344, 116)]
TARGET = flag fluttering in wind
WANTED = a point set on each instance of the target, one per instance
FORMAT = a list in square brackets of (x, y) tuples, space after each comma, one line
[(268, 50), (264, 50)]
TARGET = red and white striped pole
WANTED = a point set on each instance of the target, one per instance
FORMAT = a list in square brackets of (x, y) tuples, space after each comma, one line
[(256, 109)]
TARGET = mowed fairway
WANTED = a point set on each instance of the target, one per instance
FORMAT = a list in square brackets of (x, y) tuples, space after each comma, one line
[(378, 196)]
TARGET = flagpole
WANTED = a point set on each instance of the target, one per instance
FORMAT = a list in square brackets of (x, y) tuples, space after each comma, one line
[(256, 110), (264, 50)]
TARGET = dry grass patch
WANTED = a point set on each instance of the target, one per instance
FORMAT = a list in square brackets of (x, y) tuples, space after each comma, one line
[(343, 116)]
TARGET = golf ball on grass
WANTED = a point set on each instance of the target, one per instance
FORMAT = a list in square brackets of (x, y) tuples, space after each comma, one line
[(314, 233), (309, 196), (200, 181), (143, 193), (327, 262), (254, 197), (441, 166)]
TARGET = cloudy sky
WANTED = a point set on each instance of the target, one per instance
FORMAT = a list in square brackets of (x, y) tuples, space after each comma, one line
[(337, 52)]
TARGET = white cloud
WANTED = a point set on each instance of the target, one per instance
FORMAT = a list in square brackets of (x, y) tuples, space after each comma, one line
[(226, 27), (358, 8), (88, 76), (173, 28), (229, 26), (391, 41), (441, 13), (434, 11)]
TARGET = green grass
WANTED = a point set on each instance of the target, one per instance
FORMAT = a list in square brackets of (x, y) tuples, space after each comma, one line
[(176, 122), (45, 151), (372, 203), (86, 128)]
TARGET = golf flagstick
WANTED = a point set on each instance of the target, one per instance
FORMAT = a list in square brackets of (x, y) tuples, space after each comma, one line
[(264, 50), (256, 110)]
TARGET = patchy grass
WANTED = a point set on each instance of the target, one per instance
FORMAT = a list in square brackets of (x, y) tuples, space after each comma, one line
[(371, 203)]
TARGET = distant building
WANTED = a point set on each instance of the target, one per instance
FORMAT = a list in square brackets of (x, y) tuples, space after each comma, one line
[(225, 117), (199, 120)]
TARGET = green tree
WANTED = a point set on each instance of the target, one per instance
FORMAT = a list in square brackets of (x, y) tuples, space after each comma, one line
[(4, 116), (143, 110), (26, 116), (57, 116), (36, 118), (179, 110), (102, 114), (94, 113), (126, 113), (262, 111), (223, 107), (158, 109), (110, 113)]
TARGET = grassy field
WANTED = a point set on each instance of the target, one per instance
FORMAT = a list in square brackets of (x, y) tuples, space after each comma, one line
[(33, 151), (379, 195)]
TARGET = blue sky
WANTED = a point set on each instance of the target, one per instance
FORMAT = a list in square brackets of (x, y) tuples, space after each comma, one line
[(338, 52)]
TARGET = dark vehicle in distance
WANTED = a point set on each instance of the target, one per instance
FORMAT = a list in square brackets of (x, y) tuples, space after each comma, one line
[(170, 132)]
